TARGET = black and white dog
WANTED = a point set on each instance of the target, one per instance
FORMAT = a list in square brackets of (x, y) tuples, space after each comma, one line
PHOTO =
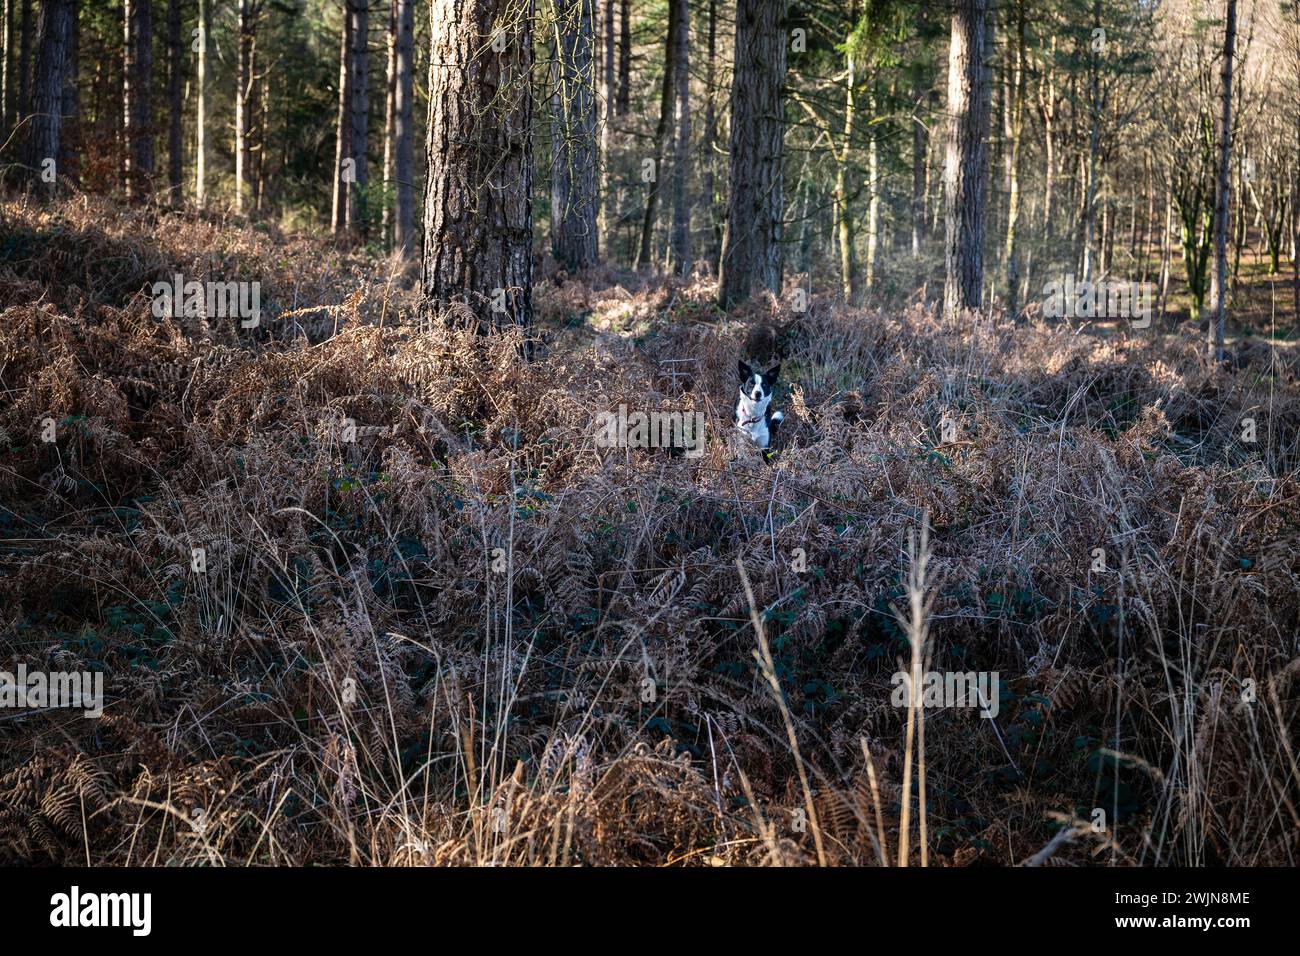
[(754, 415)]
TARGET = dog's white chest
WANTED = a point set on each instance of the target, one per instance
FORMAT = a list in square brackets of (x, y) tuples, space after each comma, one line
[(751, 418), (757, 431)]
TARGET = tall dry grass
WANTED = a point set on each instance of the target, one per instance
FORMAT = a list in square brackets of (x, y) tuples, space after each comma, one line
[(472, 636)]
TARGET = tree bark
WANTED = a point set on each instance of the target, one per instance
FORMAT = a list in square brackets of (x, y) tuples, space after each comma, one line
[(964, 166), (403, 98), (1223, 195), (390, 96), (6, 68), (574, 182), (840, 196), (751, 242), (1096, 105), (201, 109), (624, 57), (873, 193), (1016, 115), (1047, 110), (920, 147), (343, 129), (681, 232), (608, 44), (644, 250), (137, 114), (47, 94), (478, 220), (709, 191), (245, 69), (174, 172), (24, 58), (358, 219), (70, 123), (257, 145)]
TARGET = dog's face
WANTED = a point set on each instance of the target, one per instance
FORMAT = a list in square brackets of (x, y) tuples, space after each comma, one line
[(757, 386)]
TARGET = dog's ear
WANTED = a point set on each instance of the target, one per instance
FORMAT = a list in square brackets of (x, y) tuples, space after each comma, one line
[(745, 371), (771, 374)]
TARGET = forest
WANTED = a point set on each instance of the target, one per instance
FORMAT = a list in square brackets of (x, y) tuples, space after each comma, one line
[(687, 433)]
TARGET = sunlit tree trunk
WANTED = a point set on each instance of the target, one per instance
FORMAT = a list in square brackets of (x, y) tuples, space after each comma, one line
[(390, 96), (1016, 108), (680, 245), (201, 109), (840, 195), (478, 222), (574, 181), (624, 57), (343, 130), (608, 44), (6, 67), (403, 131), (644, 250), (920, 146), (245, 78), (964, 167), (358, 219), (709, 190), (873, 195), (751, 243), (1219, 278)]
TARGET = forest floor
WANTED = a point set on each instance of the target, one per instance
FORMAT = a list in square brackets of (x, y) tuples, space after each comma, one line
[(431, 621)]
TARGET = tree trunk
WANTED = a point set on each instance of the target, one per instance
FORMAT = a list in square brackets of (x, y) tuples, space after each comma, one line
[(390, 96), (478, 220), (1095, 107), (873, 193), (70, 145), (840, 196), (624, 57), (643, 255), (1107, 230), (257, 146), (403, 97), (174, 99), (24, 58), (1047, 107), (244, 40), (358, 219), (920, 146), (1166, 248), (6, 68), (574, 183), (964, 166), (47, 94), (1219, 280), (1149, 225), (681, 232), (710, 139), (201, 108), (1016, 113), (609, 44), (343, 130), (137, 115), (751, 250)]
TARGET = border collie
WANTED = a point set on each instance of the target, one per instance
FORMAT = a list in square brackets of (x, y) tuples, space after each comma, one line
[(754, 415)]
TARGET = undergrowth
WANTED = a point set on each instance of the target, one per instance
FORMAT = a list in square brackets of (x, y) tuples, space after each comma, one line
[(435, 623)]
